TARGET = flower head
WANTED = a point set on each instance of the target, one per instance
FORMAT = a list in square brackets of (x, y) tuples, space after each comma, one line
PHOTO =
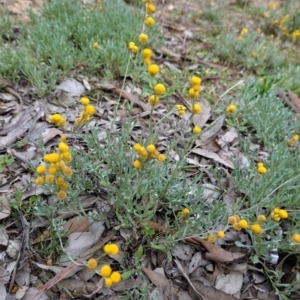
[(296, 238), (63, 147), (137, 164), (261, 218), (181, 109), (90, 110), (196, 108), (212, 238), (111, 249), (196, 130), (41, 169), (150, 9), (262, 170), (85, 101), (105, 271), (231, 108), (115, 277), (283, 214), (143, 38), (39, 180), (151, 148), (161, 158), (195, 81), (153, 100), (159, 89), (153, 69), (92, 263), (95, 45), (221, 234), (61, 195), (149, 21), (243, 223), (147, 53), (108, 282), (256, 228)]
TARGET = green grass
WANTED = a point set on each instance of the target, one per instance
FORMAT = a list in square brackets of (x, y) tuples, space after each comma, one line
[(60, 39)]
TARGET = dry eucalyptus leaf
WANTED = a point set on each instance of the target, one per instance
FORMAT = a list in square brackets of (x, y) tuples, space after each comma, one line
[(4, 207), (21, 292), (77, 224), (79, 242), (71, 86), (195, 262), (230, 283), (212, 130), (157, 279), (3, 292), (54, 269), (213, 156), (228, 137), (218, 254), (183, 251)]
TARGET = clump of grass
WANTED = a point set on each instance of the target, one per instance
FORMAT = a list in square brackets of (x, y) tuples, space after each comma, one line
[(62, 36)]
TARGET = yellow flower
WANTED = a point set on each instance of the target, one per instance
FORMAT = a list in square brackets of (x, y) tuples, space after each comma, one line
[(41, 169), (196, 130), (212, 238), (147, 53), (262, 170), (150, 9), (253, 54), (221, 234), (64, 186), (49, 178), (161, 158), (111, 249), (193, 93), (90, 110), (143, 38), (283, 214), (56, 118), (180, 109), (256, 228), (63, 138), (196, 108), (66, 156), (231, 108), (149, 21), (133, 47), (159, 89), (137, 164), (105, 271), (39, 180), (151, 148), (243, 223), (232, 220), (153, 69), (92, 263), (196, 81), (137, 147), (237, 227), (95, 45), (108, 282), (260, 164), (61, 195), (153, 100), (67, 171), (155, 154), (147, 61), (261, 218), (186, 211), (85, 101), (115, 277), (63, 147), (296, 237), (295, 138)]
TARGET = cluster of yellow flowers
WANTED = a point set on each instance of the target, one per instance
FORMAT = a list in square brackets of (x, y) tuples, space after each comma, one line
[(238, 224), (242, 34), (277, 214), (194, 91), (150, 152), (87, 112), (261, 169), (57, 120), (293, 140), (106, 271), (213, 237), (55, 171)]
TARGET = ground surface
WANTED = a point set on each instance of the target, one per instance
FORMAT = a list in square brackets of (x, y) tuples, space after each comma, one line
[(199, 269)]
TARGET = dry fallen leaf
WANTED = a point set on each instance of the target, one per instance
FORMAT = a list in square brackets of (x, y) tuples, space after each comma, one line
[(295, 99), (201, 118), (214, 156), (230, 283), (211, 130)]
